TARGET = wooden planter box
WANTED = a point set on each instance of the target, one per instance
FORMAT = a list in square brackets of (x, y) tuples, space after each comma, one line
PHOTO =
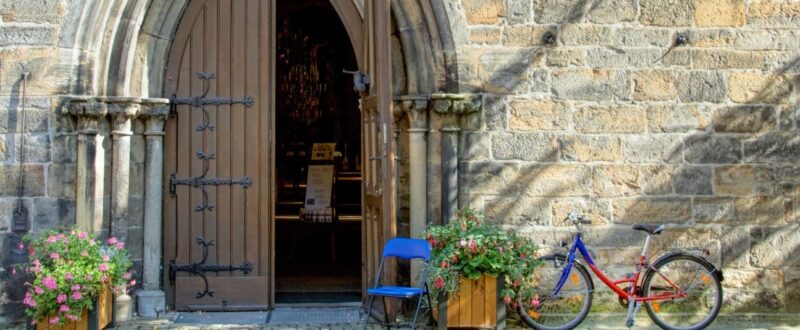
[(96, 319), (478, 304)]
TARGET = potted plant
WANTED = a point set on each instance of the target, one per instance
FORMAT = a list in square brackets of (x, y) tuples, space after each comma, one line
[(71, 274), (472, 261)]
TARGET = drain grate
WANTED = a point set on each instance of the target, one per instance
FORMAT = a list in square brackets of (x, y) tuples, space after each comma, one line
[(222, 318), (326, 315)]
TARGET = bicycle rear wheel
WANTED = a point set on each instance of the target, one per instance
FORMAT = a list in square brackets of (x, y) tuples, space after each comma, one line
[(539, 309), (694, 275)]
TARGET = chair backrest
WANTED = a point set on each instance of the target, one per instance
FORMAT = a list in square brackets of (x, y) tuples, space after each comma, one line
[(407, 248)]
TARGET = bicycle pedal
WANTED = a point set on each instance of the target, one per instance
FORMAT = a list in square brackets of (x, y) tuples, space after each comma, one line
[(629, 323)]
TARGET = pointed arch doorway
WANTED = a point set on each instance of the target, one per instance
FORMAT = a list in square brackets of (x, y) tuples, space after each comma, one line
[(224, 184)]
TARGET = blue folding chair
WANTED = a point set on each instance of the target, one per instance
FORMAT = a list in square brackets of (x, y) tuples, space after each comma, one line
[(408, 249)]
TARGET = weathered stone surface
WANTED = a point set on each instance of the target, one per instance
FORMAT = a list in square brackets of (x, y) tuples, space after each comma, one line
[(775, 247), (792, 287), (518, 211), (4, 152), (588, 148), (714, 209), (772, 147), (136, 211), (616, 119), (36, 148), (616, 180), (752, 301), (770, 279), (787, 174), (560, 57), (702, 86), (657, 179), (767, 40), (652, 210), (495, 113), (617, 257), (539, 80), (597, 210), (613, 11), (666, 12), (743, 180), (138, 148), (484, 11), (489, 35), (536, 115), (602, 57), (15, 35), (767, 210), (584, 35), (519, 12), (525, 146), (134, 243), (735, 246), (729, 59), (51, 70), (555, 180), (654, 85), (719, 12), (670, 118), (710, 38), (757, 88), (683, 238), (475, 146), (33, 180), (44, 11), (652, 148), (61, 180), (525, 35), (641, 36), (613, 236), (6, 211), (693, 180), (559, 11), (494, 178), (744, 119), (51, 213), (501, 71), (64, 149), (713, 149), (774, 14)]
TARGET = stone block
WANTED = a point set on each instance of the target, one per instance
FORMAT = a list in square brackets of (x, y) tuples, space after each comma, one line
[(519, 12), (475, 146), (766, 210), (539, 81), (525, 35), (602, 57), (616, 180), (537, 115), (559, 11), (6, 212), (754, 279), (641, 36), (4, 152), (613, 119), (495, 113), (51, 213), (64, 149), (743, 180), (136, 211), (729, 59), (767, 40), (713, 149), (719, 12), (686, 238), (24, 35), (613, 237), (657, 179), (774, 247), (613, 11), (792, 287), (774, 14), (714, 209), (757, 88), (741, 301), (51, 70), (666, 12), (735, 246), (500, 71), (36, 148), (138, 148), (518, 211), (25, 11), (589, 148), (693, 180), (560, 57), (659, 148), (585, 35), (489, 35), (702, 86), (772, 148), (654, 85), (669, 118), (525, 146), (555, 180), (711, 38), (484, 11), (595, 209), (494, 178), (33, 120), (61, 180), (135, 242), (652, 210), (617, 257), (33, 180), (787, 174)]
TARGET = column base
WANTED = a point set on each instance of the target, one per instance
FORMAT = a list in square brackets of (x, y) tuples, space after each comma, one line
[(150, 303)]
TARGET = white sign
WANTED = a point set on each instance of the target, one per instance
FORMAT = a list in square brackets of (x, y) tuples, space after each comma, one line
[(318, 188)]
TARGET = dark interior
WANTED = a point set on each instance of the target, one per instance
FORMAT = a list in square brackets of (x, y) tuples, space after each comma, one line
[(318, 253)]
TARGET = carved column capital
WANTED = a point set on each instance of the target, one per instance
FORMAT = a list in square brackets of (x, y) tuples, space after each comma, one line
[(415, 107), (452, 106)]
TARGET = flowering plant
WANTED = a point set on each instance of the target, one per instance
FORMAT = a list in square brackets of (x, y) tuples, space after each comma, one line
[(469, 247), (69, 269)]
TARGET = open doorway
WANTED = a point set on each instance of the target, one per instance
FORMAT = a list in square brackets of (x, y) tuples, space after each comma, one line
[(318, 242)]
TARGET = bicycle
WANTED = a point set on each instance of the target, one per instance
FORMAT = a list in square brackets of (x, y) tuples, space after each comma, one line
[(679, 290)]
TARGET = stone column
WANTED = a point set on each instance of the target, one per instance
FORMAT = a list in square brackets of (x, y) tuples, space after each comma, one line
[(91, 161), (151, 299), (122, 110), (451, 107)]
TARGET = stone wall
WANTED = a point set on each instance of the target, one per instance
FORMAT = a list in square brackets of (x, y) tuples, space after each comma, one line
[(620, 121)]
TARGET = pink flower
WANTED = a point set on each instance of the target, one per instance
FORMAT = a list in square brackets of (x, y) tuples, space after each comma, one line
[(68, 276), (73, 317), (50, 283), (92, 242), (29, 301), (84, 254), (463, 243), (103, 267), (127, 276), (112, 241), (38, 290), (55, 320), (33, 322), (535, 302), (106, 258), (132, 282), (77, 295), (88, 278), (439, 282), (75, 287), (82, 235), (52, 239), (61, 298), (104, 278), (473, 246), (54, 256), (500, 248), (120, 245), (61, 236), (21, 246), (13, 270), (63, 308)]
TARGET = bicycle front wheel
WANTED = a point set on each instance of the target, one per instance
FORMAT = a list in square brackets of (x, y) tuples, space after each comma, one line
[(540, 309), (689, 292)]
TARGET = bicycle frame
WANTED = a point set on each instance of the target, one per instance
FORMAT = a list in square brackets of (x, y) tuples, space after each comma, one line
[(577, 245)]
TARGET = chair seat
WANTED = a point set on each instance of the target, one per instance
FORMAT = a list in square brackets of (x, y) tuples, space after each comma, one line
[(395, 291)]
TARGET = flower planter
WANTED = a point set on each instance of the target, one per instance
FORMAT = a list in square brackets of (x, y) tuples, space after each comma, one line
[(96, 319), (478, 304)]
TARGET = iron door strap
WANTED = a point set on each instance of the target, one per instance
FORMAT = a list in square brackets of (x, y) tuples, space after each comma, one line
[(200, 268)]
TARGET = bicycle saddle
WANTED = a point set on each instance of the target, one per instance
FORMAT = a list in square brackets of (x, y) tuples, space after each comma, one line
[(652, 229)]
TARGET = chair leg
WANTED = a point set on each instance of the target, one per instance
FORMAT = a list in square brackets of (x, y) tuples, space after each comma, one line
[(369, 312), (385, 314), (430, 309), (416, 313)]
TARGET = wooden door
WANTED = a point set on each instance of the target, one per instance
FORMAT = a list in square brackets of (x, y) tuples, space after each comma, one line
[(218, 157), (378, 161)]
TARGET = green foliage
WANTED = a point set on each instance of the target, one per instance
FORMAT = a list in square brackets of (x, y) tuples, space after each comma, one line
[(68, 270), (467, 246)]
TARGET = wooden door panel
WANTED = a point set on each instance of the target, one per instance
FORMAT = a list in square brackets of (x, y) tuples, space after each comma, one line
[(218, 157)]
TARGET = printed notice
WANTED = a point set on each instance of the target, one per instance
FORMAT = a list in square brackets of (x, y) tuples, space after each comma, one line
[(318, 189)]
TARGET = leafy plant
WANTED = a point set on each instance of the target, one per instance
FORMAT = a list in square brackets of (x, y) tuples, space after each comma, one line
[(68, 270), (469, 247)]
